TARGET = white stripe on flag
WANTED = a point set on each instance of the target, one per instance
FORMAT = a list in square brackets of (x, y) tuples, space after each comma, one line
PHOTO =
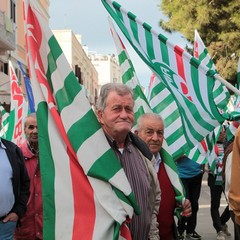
[(64, 203)]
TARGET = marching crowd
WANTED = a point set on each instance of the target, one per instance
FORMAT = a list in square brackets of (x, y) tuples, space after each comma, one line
[(139, 152)]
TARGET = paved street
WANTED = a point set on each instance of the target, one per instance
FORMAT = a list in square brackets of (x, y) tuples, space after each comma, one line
[(204, 226)]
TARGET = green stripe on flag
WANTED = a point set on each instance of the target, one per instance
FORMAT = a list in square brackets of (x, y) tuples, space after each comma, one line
[(67, 94), (122, 57), (203, 55), (85, 131), (105, 165), (164, 49), (149, 40), (128, 75), (129, 200), (54, 54), (47, 172)]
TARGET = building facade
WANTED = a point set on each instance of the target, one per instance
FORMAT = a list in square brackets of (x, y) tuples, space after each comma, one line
[(12, 44), (107, 67), (79, 62)]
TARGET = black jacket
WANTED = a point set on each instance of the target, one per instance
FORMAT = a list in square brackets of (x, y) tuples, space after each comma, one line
[(20, 181), (141, 145)]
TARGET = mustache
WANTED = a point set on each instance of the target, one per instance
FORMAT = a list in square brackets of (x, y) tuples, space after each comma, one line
[(154, 142)]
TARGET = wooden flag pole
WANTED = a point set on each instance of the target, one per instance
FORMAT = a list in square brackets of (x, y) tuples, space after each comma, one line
[(227, 84)]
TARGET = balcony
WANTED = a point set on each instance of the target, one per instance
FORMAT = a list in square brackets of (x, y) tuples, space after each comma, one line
[(7, 33)]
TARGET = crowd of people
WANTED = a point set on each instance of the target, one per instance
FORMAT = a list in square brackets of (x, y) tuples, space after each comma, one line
[(139, 152)]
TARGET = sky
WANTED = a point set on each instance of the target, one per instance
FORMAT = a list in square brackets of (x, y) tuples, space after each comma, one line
[(89, 18)]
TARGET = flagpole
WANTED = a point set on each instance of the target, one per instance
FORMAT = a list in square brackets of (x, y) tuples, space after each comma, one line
[(227, 84)]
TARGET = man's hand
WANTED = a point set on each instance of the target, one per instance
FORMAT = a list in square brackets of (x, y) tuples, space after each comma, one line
[(187, 209), (13, 217)]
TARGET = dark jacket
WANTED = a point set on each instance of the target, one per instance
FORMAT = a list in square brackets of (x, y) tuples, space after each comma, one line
[(141, 145), (21, 181)]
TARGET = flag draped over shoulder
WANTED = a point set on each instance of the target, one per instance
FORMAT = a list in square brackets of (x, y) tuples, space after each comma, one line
[(141, 106), (18, 110), (86, 194), (190, 83)]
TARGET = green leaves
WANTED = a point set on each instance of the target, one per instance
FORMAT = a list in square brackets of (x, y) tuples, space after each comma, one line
[(218, 23)]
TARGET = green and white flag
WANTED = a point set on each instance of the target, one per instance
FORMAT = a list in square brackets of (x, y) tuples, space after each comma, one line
[(204, 151), (162, 102), (5, 123), (190, 83), (86, 194), (200, 52), (18, 110), (232, 127)]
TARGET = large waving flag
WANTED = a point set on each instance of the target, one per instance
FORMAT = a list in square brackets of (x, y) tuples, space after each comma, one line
[(210, 141), (18, 110), (141, 106), (204, 151), (86, 194), (190, 83), (162, 102)]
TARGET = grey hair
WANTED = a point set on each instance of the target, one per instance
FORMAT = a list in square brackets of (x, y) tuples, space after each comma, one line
[(33, 115), (147, 115), (120, 88)]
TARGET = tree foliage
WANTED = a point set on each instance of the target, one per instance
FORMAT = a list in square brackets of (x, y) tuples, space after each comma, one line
[(218, 24)]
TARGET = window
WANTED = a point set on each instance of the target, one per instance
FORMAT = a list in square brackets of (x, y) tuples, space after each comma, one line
[(4, 67), (78, 74), (13, 10)]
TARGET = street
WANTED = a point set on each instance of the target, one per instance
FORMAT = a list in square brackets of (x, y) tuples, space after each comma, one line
[(204, 225)]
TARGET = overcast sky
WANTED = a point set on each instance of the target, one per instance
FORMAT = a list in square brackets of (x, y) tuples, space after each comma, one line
[(89, 18)]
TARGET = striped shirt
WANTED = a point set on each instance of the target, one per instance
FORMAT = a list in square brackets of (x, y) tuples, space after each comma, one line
[(136, 172)]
